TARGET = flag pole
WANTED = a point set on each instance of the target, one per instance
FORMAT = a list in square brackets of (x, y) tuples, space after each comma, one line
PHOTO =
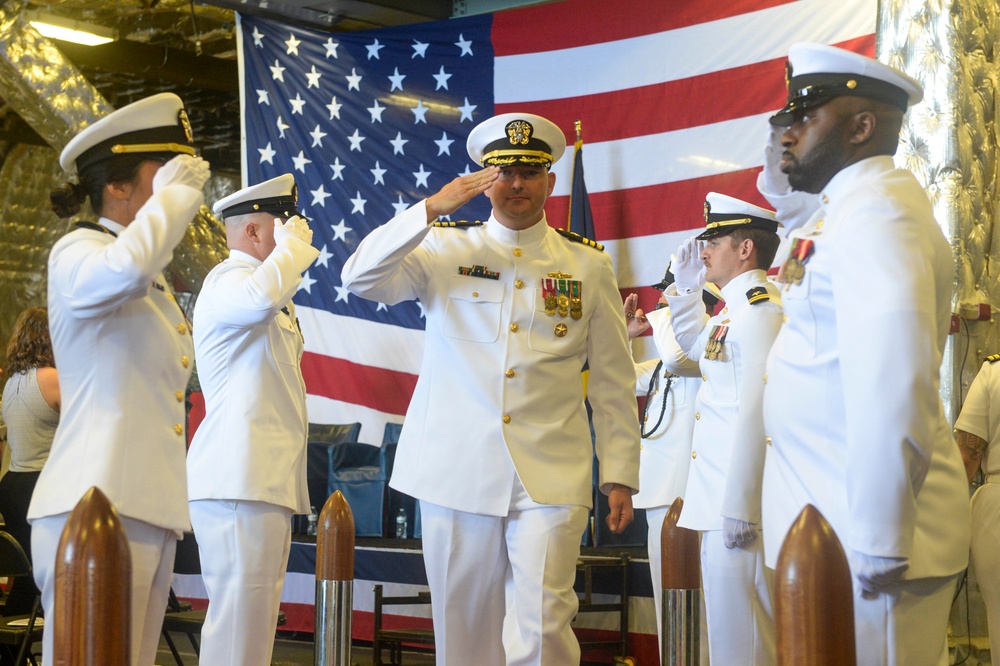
[(578, 126)]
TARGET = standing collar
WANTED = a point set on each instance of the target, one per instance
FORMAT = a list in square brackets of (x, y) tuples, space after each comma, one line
[(736, 290), (845, 180), (240, 255), (111, 225), (533, 234)]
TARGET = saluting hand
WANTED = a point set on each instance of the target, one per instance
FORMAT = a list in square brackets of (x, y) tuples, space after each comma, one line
[(635, 322), (295, 227), (182, 170), (459, 192)]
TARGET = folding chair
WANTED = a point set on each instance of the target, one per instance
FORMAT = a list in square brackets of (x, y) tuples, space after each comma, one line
[(18, 632)]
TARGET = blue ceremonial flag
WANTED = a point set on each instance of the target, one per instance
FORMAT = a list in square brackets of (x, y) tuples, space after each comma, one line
[(581, 220)]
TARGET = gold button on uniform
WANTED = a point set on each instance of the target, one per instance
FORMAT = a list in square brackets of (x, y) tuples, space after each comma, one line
[(725, 310), (180, 396), (765, 377), (694, 454), (179, 429), (514, 327), (184, 361), (704, 378), (784, 319), (475, 294), (697, 416), (767, 440), (509, 373), (517, 252), (518, 284), (506, 418), (182, 329)]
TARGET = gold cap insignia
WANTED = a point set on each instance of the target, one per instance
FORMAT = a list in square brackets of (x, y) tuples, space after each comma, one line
[(708, 211), (852, 84), (519, 132), (185, 122)]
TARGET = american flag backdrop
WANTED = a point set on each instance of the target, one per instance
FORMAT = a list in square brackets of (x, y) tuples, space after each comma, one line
[(673, 97)]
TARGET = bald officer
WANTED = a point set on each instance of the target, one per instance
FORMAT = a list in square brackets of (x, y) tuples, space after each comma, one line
[(851, 404), (247, 463), (123, 348), (497, 446), (722, 498)]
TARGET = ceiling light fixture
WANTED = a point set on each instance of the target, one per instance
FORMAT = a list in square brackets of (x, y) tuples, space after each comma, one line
[(69, 30)]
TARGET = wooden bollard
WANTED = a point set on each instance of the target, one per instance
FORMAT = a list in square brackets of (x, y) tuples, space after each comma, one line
[(93, 587), (680, 570), (334, 582), (813, 598)]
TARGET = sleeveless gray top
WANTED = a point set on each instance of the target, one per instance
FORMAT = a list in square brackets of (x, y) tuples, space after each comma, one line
[(31, 423)]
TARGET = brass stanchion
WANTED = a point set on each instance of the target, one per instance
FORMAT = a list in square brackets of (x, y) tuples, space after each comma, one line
[(334, 582), (93, 587), (680, 568), (813, 598)]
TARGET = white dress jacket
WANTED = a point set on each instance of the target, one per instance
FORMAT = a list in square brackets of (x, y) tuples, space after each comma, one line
[(498, 382), (851, 403), (124, 353), (727, 452), (252, 443)]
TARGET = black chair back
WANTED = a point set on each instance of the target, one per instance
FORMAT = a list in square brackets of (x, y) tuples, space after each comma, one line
[(321, 438)]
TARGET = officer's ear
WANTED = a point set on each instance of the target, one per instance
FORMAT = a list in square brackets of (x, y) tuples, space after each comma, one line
[(552, 183), (862, 127)]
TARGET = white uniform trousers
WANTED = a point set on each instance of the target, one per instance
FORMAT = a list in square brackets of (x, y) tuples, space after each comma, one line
[(986, 554), (738, 608), (244, 550), (152, 550), (502, 586), (907, 626)]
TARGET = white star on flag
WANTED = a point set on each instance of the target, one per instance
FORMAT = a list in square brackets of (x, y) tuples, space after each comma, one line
[(354, 80), (466, 111), (376, 111), (301, 161), (419, 49), (317, 135), (399, 205), (267, 154), (281, 127), (398, 143), (340, 231), (313, 78), (421, 176), (293, 45), (465, 45), (278, 72), (373, 49), (338, 169), (306, 284), (444, 144), (419, 112), (334, 107), (331, 48), (319, 196), (257, 37), (342, 294), (324, 257), (378, 172), (297, 104), (359, 204), (396, 80), (356, 140), (442, 79), (263, 97)]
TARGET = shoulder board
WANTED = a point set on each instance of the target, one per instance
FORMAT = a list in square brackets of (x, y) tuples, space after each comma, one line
[(577, 238), (93, 226), (458, 224), (993, 358), (758, 295)]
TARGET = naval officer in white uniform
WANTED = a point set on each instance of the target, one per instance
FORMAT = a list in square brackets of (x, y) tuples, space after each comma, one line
[(669, 383), (497, 446), (123, 347), (722, 498), (977, 430), (247, 463), (851, 404)]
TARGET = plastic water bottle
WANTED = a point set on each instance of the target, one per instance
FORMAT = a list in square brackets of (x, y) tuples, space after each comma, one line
[(313, 520), (401, 524)]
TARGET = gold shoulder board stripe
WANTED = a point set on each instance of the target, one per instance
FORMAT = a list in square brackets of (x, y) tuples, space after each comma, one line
[(458, 224), (577, 238), (993, 358), (758, 295)]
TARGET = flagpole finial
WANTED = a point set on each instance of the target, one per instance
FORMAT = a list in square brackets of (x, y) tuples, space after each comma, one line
[(579, 129)]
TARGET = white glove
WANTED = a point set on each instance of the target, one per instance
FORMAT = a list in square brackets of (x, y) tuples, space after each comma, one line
[(688, 268), (792, 208), (294, 227), (875, 573), (182, 170), (738, 533)]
